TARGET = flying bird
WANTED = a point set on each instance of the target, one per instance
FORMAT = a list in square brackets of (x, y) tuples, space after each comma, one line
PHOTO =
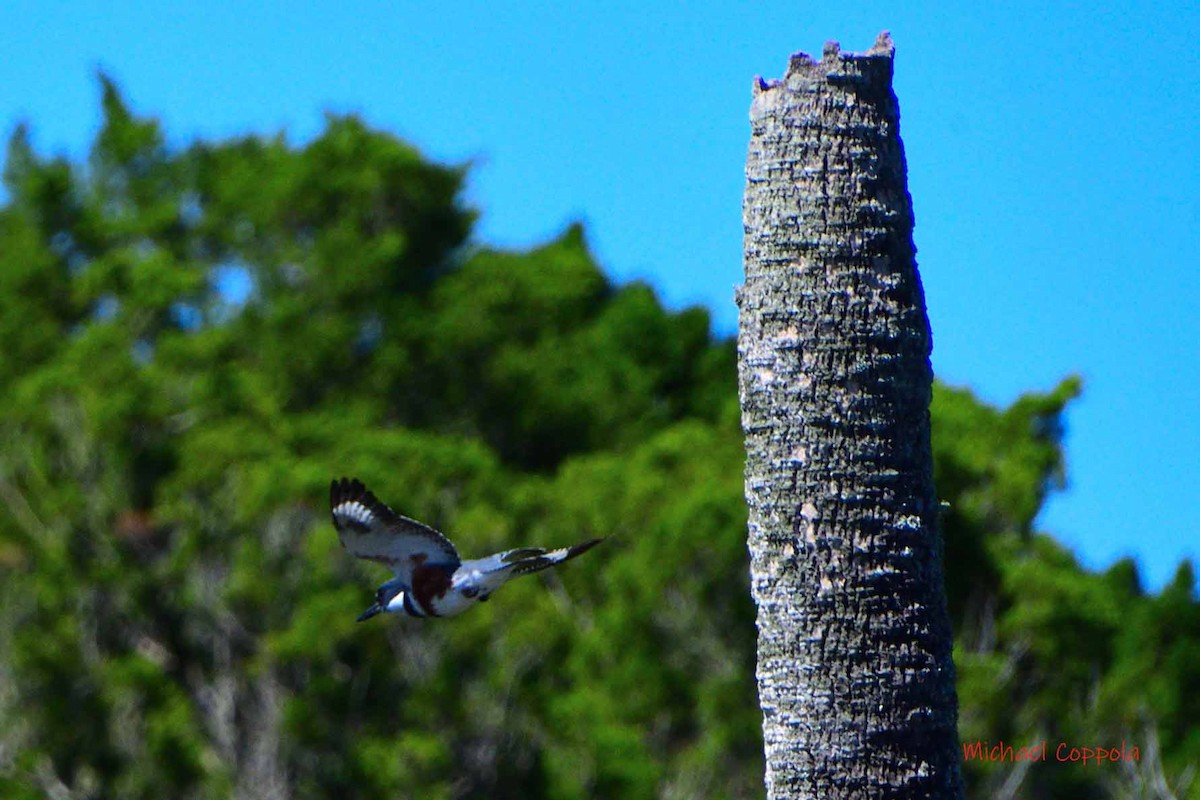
[(430, 579)]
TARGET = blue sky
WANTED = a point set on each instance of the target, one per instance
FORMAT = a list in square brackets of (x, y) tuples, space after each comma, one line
[(1052, 150)]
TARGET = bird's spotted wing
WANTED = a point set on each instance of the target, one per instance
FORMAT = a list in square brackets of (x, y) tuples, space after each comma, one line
[(544, 559), (369, 529), (519, 554), (498, 569)]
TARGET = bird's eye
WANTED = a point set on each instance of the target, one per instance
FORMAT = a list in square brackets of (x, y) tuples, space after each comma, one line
[(470, 591)]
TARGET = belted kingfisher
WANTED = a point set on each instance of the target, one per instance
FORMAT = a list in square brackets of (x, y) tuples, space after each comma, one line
[(431, 580)]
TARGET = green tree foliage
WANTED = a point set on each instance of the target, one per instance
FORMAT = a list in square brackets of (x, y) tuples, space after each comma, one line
[(1045, 650), (195, 341)]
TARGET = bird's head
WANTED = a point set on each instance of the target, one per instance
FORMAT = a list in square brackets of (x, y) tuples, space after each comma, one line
[(385, 602)]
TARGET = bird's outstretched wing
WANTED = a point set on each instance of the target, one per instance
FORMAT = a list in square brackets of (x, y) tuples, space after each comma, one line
[(369, 529), (501, 567)]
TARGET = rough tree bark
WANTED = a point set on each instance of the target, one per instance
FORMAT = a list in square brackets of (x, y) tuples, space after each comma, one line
[(855, 674)]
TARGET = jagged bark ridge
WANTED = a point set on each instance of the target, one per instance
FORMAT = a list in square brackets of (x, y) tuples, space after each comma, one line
[(855, 674)]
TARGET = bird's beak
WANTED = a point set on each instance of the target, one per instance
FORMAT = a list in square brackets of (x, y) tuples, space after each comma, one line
[(370, 612)]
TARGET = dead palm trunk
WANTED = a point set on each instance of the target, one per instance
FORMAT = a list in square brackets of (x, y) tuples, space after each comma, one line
[(855, 674)]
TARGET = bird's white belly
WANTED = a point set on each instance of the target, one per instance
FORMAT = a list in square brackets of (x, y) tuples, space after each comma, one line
[(450, 604), (463, 593)]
